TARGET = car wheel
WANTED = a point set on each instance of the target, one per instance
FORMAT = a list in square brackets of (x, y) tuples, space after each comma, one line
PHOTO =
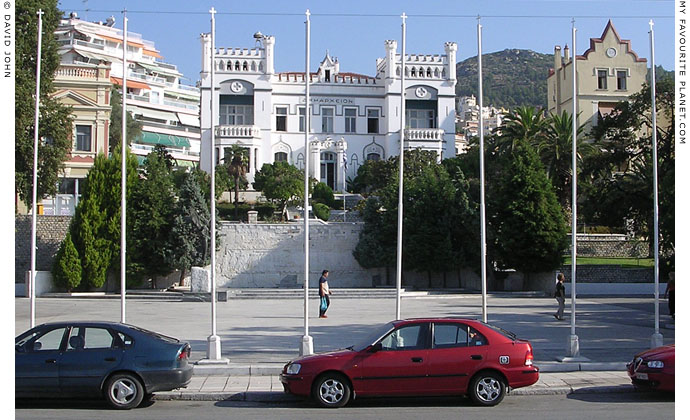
[(124, 391), (487, 389), (332, 390)]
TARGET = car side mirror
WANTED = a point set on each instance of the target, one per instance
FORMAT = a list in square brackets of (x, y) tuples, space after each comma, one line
[(37, 345), (376, 347), (19, 348)]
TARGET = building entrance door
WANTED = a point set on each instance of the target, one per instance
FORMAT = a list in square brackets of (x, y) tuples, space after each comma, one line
[(328, 169)]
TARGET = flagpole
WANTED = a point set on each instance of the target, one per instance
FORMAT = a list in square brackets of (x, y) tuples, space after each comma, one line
[(573, 350), (482, 203), (657, 337), (307, 346), (32, 279), (123, 180), (398, 277), (214, 350)]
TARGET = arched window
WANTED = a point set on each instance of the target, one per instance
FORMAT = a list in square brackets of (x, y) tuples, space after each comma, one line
[(414, 72), (428, 72), (354, 163), (237, 66), (373, 156), (300, 161), (280, 157), (245, 66)]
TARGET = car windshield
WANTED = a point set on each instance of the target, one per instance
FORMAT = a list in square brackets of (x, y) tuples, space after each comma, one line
[(371, 338)]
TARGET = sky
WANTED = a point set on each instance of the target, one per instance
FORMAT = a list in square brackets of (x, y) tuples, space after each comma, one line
[(354, 31)]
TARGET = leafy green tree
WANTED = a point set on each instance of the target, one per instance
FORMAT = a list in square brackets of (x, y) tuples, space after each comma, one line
[(523, 123), (152, 212), (624, 136), (373, 175), (134, 127), (190, 233), (377, 240), (67, 266), (322, 211), (237, 164), (280, 183), (323, 194), (530, 229), (555, 149), (95, 228), (55, 119)]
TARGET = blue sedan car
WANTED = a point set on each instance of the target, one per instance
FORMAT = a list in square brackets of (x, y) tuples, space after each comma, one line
[(120, 362)]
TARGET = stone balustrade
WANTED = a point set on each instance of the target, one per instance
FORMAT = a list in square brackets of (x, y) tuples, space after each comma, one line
[(422, 134), (238, 131)]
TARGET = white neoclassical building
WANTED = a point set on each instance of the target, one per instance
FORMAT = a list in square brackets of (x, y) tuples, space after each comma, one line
[(354, 117)]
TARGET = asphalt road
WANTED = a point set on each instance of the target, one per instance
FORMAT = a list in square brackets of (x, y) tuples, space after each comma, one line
[(574, 406)]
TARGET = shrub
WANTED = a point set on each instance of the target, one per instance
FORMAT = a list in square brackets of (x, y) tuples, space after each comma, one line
[(323, 194), (67, 267), (226, 211), (321, 211)]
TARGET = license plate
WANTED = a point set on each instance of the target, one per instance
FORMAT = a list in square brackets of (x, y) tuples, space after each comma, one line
[(642, 376)]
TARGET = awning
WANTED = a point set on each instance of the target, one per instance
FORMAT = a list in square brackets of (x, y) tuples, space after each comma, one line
[(154, 113), (164, 139), (605, 108), (160, 70), (151, 53), (187, 119), (100, 57), (119, 41), (130, 83), (186, 163)]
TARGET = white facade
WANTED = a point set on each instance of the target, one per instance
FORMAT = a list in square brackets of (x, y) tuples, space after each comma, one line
[(352, 116)]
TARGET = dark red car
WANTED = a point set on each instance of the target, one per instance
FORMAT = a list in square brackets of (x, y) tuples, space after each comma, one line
[(654, 369), (417, 357)]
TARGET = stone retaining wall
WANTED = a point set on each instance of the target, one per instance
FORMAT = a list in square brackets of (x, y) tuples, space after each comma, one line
[(50, 231), (610, 274), (613, 246)]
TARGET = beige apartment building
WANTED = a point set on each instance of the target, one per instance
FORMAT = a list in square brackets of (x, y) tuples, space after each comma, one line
[(607, 73)]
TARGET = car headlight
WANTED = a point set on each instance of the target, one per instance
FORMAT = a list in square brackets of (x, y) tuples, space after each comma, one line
[(656, 364), (293, 369)]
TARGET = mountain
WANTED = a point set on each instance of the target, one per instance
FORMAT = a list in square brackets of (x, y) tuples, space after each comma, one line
[(511, 78)]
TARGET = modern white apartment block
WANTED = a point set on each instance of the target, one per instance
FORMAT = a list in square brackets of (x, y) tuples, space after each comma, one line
[(91, 63), (607, 73), (353, 117)]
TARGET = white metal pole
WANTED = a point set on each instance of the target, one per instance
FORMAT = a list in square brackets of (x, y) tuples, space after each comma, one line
[(657, 337), (123, 182), (398, 277), (307, 346), (574, 345), (482, 201), (32, 279), (214, 351)]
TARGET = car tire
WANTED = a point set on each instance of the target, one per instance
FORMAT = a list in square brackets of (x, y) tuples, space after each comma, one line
[(487, 389), (332, 390), (123, 391)]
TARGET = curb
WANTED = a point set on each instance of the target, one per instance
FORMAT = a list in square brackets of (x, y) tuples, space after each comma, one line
[(279, 397), (274, 369)]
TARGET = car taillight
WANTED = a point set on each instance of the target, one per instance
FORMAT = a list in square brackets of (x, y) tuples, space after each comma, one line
[(185, 353), (529, 357)]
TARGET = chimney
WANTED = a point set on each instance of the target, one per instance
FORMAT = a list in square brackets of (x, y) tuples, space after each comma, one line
[(566, 52), (557, 58)]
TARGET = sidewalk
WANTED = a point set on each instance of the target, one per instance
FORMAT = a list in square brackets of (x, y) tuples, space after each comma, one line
[(267, 388)]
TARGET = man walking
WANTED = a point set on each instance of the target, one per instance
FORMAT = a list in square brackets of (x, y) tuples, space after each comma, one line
[(560, 296), (324, 293)]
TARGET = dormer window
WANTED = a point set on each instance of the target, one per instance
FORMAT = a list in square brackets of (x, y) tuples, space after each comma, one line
[(327, 76)]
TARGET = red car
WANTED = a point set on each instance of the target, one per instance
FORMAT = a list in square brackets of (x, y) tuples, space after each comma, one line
[(654, 369), (417, 357)]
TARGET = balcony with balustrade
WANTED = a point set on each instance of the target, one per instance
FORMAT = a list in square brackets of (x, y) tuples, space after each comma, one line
[(238, 132)]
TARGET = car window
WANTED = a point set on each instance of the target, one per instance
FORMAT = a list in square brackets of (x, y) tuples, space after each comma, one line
[(48, 341), (476, 338), (126, 340), (450, 335), (90, 338), (404, 338)]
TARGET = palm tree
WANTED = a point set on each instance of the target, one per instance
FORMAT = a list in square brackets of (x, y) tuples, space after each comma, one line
[(237, 164), (555, 149), (523, 123)]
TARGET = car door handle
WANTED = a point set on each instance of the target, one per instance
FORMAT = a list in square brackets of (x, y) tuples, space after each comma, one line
[(476, 357), (50, 361), (109, 359), (417, 360)]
